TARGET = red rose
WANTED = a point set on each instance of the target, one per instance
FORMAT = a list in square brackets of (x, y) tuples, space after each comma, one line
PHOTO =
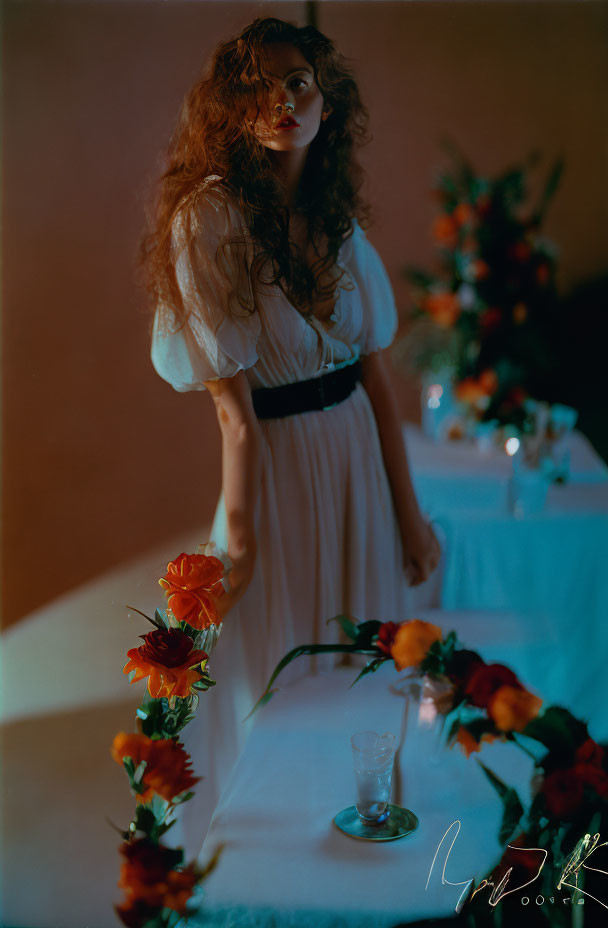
[(146, 862), (491, 318), (516, 396), (167, 646), (386, 636), (462, 666), (486, 680), (594, 777), (590, 752), (563, 791), (524, 862)]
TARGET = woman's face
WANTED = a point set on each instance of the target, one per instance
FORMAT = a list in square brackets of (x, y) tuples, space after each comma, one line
[(298, 87)]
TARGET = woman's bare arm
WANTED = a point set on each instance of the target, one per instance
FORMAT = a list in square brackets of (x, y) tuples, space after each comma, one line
[(420, 546), (241, 476)]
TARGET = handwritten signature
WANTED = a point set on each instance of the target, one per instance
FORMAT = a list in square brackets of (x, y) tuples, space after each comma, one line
[(577, 861)]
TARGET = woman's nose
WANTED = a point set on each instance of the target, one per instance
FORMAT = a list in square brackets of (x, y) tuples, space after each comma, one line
[(284, 107), (284, 103)]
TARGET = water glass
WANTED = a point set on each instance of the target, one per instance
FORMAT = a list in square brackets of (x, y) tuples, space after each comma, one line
[(529, 487), (373, 757)]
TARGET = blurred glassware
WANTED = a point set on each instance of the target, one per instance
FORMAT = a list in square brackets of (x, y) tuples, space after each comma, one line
[(373, 757)]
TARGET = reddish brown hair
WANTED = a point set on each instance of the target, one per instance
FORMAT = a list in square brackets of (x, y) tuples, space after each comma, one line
[(212, 137)]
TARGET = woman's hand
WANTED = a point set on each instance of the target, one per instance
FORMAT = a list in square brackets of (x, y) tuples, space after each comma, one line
[(422, 551)]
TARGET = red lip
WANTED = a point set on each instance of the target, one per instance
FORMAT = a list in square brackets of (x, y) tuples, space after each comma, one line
[(288, 122)]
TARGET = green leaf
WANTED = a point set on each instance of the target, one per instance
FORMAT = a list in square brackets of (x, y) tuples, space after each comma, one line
[(145, 819), (557, 729), (369, 668), (140, 771), (212, 862), (161, 617), (366, 632), (513, 811), (551, 186), (129, 766), (266, 697), (501, 788), (311, 649), (453, 729), (143, 614), (348, 627)]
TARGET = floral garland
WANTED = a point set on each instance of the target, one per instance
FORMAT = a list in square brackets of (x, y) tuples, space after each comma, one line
[(159, 888), (480, 702), (488, 310)]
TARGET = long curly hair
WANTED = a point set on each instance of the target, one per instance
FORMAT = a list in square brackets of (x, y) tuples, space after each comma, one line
[(213, 136)]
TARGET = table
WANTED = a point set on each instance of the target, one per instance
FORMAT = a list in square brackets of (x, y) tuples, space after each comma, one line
[(448, 474), (549, 568), (286, 865)]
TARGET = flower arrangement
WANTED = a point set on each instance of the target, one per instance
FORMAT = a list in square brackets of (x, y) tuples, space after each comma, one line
[(487, 313), (479, 702), (158, 886)]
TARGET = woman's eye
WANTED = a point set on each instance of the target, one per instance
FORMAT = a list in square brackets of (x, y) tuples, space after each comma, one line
[(297, 82)]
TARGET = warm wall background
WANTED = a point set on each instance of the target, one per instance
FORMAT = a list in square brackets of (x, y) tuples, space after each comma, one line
[(102, 459)]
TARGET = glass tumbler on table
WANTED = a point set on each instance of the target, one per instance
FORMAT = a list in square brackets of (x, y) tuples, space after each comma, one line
[(373, 757)]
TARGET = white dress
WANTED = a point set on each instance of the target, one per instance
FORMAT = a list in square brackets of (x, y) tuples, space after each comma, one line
[(327, 533)]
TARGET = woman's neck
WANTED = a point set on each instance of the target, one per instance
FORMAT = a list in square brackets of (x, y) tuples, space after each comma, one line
[(289, 167)]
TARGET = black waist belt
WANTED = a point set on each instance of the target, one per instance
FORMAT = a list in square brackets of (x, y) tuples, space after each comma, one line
[(316, 393)]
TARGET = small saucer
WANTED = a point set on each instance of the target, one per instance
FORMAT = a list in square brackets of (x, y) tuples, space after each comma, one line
[(400, 822)]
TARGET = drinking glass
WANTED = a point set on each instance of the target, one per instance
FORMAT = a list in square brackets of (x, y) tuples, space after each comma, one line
[(373, 757)]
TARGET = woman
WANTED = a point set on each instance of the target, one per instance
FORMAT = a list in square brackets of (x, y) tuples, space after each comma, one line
[(264, 277)]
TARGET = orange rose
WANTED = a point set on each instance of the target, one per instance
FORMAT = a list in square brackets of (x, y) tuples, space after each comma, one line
[(480, 269), (488, 381), (463, 213), (180, 885), (443, 308), (168, 766), (470, 744), (192, 585), (485, 680), (445, 230), (469, 390), (412, 641), (520, 313), (473, 390), (512, 707)]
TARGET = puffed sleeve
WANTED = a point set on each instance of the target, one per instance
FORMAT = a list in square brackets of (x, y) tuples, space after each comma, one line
[(380, 318), (219, 337)]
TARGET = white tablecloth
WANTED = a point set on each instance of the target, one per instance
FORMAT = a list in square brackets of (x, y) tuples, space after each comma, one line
[(550, 568), (456, 474), (285, 863)]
